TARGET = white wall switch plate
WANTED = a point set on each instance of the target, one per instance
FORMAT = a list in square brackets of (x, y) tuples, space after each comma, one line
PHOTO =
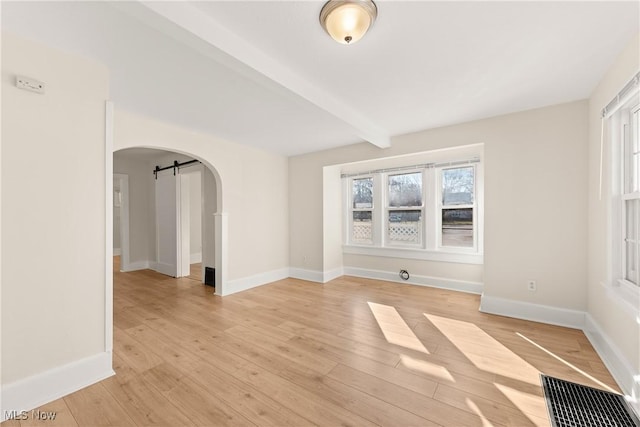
[(28, 83)]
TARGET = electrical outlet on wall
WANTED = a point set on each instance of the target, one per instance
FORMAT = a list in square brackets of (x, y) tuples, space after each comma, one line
[(531, 285)]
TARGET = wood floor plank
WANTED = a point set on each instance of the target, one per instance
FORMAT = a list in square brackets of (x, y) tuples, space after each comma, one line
[(95, 406), (137, 356), (303, 401), (429, 409), (284, 349), (164, 377), (338, 347), (255, 403), (202, 408), (145, 405), (156, 339), (373, 409)]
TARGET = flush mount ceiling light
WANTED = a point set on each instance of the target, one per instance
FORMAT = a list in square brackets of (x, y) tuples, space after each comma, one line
[(346, 21)]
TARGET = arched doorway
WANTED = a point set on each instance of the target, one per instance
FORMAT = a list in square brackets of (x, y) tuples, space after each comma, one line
[(168, 247)]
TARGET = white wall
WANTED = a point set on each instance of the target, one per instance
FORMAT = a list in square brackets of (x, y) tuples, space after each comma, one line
[(141, 208), (251, 189), (614, 323), (535, 198), (53, 218), (332, 259)]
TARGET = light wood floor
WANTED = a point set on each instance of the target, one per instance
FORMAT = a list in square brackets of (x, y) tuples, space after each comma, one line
[(352, 352), (195, 272)]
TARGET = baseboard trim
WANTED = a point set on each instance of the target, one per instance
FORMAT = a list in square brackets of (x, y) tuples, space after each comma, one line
[(135, 266), (195, 258), (620, 368), (329, 275), (534, 312), (433, 282), (314, 275), (308, 275), (242, 284), (163, 268), (37, 390)]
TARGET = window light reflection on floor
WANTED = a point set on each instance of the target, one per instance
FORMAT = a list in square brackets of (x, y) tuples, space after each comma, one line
[(560, 359), (471, 405), (484, 351), (425, 367), (395, 329), (526, 403)]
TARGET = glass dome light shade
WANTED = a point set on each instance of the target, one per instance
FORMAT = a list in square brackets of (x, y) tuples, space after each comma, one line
[(347, 21)]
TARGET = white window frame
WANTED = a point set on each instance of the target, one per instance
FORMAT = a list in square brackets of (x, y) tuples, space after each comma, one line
[(630, 118), (620, 124), (352, 209), (388, 209), (440, 207), (429, 248)]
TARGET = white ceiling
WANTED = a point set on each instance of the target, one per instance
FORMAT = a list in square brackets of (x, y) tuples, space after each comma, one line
[(264, 73)]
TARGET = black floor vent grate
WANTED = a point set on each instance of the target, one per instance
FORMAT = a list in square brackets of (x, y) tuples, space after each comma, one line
[(575, 405)]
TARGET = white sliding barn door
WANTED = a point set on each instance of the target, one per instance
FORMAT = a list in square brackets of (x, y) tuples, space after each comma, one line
[(167, 223)]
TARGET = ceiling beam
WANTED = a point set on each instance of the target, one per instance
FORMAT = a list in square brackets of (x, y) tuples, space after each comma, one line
[(207, 29)]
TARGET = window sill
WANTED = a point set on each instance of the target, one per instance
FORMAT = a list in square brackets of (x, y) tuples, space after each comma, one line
[(629, 292), (421, 254), (626, 294)]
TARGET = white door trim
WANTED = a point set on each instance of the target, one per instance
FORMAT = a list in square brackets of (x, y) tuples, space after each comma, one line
[(108, 282), (222, 243)]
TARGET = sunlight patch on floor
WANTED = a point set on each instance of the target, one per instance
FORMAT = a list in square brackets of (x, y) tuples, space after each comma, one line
[(526, 403), (425, 367), (395, 329), (484, 351), (570, 365), (478, 412)]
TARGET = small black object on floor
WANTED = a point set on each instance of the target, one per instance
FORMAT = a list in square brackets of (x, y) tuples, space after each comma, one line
[(576, 405), (210, 276)]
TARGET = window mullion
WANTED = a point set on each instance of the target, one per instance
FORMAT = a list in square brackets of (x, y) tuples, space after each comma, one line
[(430, 209), (378, 209), (346, 211), (439, 206)]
